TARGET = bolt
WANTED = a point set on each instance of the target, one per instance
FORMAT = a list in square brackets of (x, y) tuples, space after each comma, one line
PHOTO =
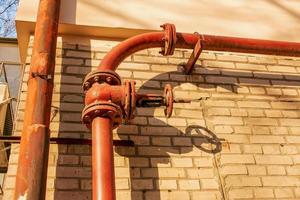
[(97, 112), (87, 119), (86, 84), (97, 78), (110, 113), (108, 79)]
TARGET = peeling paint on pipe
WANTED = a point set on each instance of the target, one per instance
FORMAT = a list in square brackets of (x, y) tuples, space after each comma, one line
[(34, 147)]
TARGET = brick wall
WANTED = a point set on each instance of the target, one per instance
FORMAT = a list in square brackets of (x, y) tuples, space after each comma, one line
[(241, 140)]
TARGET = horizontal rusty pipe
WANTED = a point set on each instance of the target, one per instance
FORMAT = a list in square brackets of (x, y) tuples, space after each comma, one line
[(103, 161), (34, 148), (208, 42)]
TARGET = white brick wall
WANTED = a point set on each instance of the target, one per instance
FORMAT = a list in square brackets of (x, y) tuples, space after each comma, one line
[(251, 115)]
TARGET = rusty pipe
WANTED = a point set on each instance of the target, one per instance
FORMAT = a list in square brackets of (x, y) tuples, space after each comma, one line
[(168, 40), (34, 147), (208, 42), (103, 162)]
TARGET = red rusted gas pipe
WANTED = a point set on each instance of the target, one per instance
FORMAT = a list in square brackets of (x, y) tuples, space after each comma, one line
[(102, 152), (34, 148), (106, 100), (208, 42)]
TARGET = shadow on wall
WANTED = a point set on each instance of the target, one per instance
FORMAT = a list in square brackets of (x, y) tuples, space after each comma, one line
[(73, 167), (156, 141), (159, 141), (165, 141)]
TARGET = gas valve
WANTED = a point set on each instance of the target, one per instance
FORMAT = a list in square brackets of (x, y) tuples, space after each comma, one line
[(154, 100), (106, 97)]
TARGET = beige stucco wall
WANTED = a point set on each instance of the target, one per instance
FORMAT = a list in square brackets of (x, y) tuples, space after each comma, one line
[(9, 52), (270, 19)]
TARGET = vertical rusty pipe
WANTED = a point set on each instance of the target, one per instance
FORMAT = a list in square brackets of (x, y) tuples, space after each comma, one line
[(103, 162), (34, 148)]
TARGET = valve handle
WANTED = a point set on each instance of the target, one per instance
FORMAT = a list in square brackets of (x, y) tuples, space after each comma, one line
[(169, 99)]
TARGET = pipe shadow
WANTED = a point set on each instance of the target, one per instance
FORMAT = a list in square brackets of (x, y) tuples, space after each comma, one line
[(156, 142), (72, 179)]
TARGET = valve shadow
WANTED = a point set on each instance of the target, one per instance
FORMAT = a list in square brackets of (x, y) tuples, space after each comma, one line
[(72, 163), (158, 142)]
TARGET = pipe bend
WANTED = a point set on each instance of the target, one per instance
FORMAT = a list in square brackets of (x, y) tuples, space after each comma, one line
[(188, 41), (140, 42), (130, 46)]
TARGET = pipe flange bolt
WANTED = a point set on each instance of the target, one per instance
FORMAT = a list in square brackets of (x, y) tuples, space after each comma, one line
[(101, 76), (102, 109)]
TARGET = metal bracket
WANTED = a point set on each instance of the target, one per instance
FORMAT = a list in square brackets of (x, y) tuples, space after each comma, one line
[(170, 39), (194, 56), (74, 141), (42, 76)]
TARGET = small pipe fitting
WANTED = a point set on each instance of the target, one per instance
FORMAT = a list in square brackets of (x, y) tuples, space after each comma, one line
[(105, 97)]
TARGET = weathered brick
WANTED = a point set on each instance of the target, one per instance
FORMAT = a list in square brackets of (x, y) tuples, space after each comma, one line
[(167, 184), (189, 184), (142, 184), (263, 193), (148, 59), (200, 173), (212, 63), (279, 68), (233, 169), (220, 79), (240, 194), (266, 139), (261, 121), (248, 66), (79, 54), (227, 120), (262, 59), (276, 170), (218, 111), (283, 193), (280, 181), (256, 170), (237, 159), (242, 181), (139, 162), (271, 149), (290, 122), (252, 149), (273, 160), (232, 57), (66, 184), (182, 162)]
